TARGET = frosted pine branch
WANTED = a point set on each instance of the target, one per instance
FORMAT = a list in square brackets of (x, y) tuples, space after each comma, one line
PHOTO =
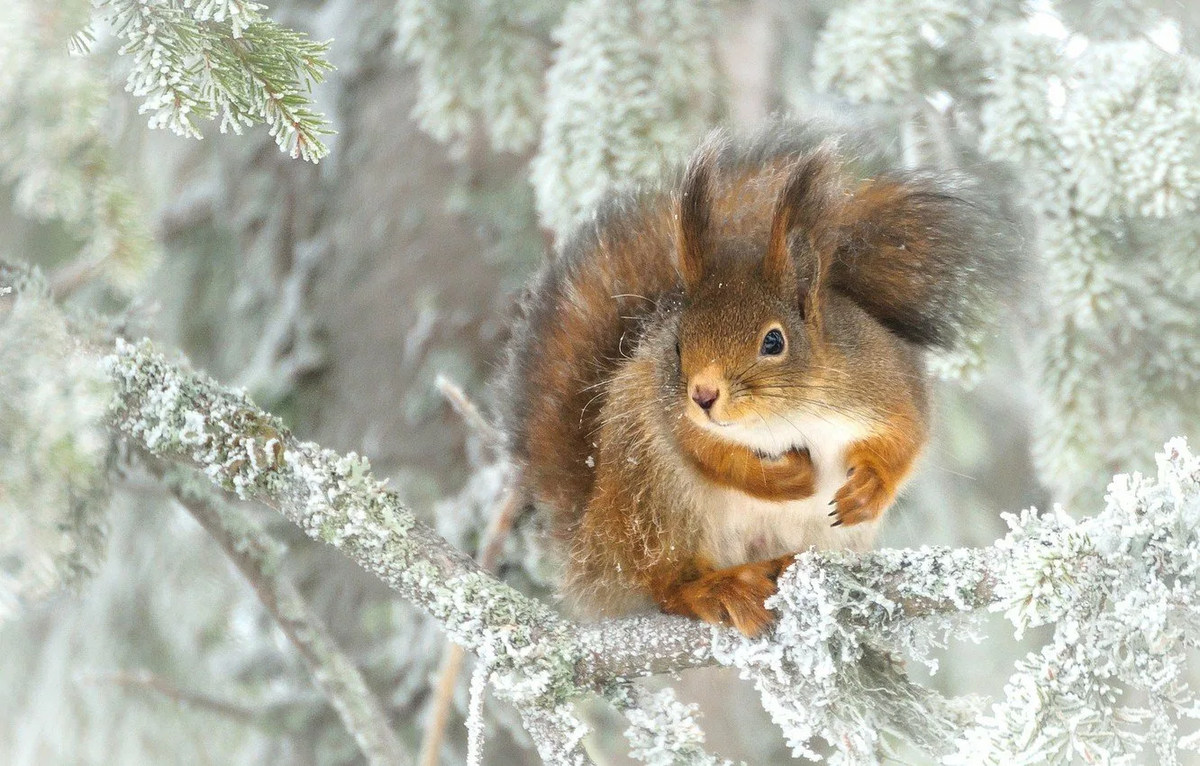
[(623, 94), (1102, 137), (1118, 589), (54, 489), (200, 60), (482, 59)]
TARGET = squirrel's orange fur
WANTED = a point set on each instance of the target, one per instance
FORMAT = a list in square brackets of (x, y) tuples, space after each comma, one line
[(714, 377)]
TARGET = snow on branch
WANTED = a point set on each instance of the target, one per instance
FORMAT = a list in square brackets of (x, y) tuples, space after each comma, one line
[(1118, 590)]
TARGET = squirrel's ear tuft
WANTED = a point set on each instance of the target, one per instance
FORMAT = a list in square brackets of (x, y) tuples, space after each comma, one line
[(695, 209), (808, 202), (925, 255)]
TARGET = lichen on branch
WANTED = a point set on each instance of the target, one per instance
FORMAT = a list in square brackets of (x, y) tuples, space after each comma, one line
[(1119, 589)]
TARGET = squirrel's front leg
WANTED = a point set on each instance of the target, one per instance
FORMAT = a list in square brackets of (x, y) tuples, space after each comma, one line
[(731, 596), (875, 469)]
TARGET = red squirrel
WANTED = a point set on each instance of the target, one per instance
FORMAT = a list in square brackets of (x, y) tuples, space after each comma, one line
[(719, 372)]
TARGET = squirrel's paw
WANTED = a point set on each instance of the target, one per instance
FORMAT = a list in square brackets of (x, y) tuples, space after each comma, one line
[(864, 496), (792, 476), (735, 596)]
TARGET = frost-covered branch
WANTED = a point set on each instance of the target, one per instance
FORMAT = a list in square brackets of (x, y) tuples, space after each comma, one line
[(1119, 590), (200, 59), (662, 730), (491, 546), (557, 733), (259, 559), (536, 658)]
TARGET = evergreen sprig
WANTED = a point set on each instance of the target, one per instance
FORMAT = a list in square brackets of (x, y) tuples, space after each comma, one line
[(197, 59)]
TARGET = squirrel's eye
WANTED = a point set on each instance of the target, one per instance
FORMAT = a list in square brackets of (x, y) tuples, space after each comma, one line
[(678, 353), (772, 343)]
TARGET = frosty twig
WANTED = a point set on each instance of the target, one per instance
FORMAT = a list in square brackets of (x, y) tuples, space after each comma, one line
[(257, 558)]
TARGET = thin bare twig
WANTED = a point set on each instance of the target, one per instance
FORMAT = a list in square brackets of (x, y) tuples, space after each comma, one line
[(492, 545), (469, 412), (450, 667), (144, 680), (67, 279), (287, 347), (280, 716), (488, 555), (255, 556)]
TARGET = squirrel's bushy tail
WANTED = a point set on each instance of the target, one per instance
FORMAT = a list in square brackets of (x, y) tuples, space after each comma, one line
[(928, 255)]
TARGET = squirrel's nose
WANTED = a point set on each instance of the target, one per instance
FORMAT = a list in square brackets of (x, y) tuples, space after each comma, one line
[(705, 397)]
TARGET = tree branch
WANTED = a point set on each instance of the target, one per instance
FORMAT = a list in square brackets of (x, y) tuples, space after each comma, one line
[(187, 418), (490, 548), (144, 680), (448, 671), (557, 733), (280, 716), (469, 412), (257, 558)]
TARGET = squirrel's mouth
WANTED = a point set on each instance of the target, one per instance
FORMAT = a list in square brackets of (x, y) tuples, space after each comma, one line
[(709, 420)]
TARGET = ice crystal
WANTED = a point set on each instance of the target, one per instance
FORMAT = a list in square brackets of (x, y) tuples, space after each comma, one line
[(1120, 590), (664, 731)]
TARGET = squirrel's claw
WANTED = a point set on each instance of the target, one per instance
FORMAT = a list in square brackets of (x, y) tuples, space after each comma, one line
[(863, 497), (734, 596)]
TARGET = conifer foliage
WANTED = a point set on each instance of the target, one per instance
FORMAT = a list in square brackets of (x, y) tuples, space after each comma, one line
[(1083, 116), (202, 59)]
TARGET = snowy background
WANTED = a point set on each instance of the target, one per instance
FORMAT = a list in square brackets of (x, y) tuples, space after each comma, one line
[(469, 134)]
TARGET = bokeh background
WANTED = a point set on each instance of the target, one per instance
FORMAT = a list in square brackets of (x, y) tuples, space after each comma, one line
[(469, 135)]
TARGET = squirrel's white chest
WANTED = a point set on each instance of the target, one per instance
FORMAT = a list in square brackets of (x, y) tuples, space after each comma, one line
[(741, 528)]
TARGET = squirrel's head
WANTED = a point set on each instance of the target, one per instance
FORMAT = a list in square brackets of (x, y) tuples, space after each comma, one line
[(750, 331)]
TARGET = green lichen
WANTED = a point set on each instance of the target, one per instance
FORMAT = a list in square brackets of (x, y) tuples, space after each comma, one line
[(176, 414), (183, 416)]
